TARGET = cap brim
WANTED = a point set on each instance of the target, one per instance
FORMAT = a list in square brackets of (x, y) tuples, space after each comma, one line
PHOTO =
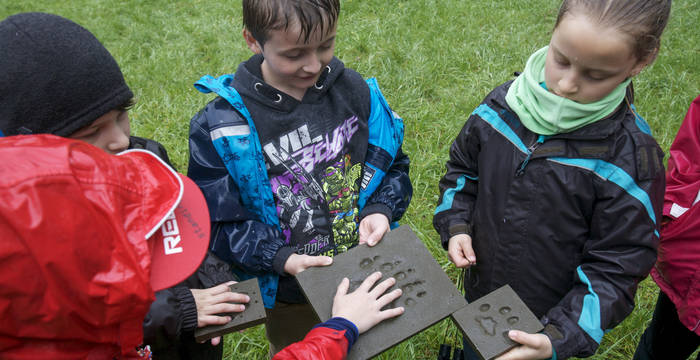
[(179, 239), (181, 242)]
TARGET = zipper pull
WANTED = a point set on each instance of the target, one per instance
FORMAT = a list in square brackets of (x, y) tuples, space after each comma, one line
[(530, 151)]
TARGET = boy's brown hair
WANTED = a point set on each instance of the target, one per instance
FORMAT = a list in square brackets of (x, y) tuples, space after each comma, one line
[(262, 16)]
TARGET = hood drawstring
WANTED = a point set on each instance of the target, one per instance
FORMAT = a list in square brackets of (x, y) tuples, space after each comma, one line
[(321, 79), (268, 91)]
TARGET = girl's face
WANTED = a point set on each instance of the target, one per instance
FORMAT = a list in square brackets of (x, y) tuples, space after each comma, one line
[(586, 62)]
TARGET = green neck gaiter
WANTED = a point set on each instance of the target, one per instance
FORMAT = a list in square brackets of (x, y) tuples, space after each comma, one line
[(545, 113)]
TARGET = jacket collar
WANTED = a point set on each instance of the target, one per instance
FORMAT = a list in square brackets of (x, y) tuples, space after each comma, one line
[(598, 136)]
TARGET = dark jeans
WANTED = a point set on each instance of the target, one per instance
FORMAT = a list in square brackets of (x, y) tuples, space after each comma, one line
[(666, 337)]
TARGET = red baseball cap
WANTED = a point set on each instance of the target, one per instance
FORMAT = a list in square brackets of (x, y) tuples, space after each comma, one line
[(87, 237), (179, 240)]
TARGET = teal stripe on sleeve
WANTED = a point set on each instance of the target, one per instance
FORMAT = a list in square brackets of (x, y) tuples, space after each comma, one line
[(589, 320), (449, 195)]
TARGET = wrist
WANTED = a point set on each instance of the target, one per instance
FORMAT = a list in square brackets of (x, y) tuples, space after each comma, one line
[(188, 308), (552, 333), (376, 208), (281, 258), (340, 324)]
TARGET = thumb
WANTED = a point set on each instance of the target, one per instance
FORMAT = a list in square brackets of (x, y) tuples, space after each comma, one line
[(320, 260), (343, 287), (468, 252), (374, 238), (523, 338), (215, 341)]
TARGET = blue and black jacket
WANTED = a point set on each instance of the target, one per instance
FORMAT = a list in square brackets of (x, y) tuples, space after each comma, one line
[(570, 221), (227, 161)]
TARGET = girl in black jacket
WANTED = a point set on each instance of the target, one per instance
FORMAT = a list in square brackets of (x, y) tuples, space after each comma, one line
[(555, 185)]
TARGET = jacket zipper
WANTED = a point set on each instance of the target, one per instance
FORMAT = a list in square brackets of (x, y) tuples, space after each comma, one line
[(530, 151)]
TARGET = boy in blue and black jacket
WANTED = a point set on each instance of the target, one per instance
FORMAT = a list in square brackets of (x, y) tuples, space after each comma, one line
[(299, 157)]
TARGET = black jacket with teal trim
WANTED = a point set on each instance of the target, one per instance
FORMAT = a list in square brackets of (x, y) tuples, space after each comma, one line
[(238, 234), (570, 221)]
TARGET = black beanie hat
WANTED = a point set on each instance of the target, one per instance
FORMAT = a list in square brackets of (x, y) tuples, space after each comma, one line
[(55, 76)]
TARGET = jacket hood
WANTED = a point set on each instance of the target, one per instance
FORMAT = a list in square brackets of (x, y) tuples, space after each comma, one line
[(250, 84), (80, 231)]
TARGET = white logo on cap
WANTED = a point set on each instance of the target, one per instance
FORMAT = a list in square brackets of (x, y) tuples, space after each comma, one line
[(171, 235)]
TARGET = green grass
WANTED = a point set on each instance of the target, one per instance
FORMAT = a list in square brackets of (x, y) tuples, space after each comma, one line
[(435, 61)]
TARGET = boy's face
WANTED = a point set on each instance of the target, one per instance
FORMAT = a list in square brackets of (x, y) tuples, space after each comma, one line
[(290, 64), (110, 132)]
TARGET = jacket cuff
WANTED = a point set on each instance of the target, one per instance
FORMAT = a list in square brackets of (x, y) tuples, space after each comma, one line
[(553, 334), (377, 208), (456, 229), (281, 258), (452, 229), (556, 338), (188, 308), (340, 324)]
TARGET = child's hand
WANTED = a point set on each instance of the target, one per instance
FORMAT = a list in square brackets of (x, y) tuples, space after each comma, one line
[(297, 263), (363, 306), (217, 300), (372, 228), (534, 346), (460, 252)]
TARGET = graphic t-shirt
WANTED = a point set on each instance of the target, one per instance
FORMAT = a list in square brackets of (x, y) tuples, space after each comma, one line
[(314, 150), (315, 171)]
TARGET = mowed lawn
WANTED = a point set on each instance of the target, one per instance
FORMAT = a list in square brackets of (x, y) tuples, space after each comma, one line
[(435, 61)]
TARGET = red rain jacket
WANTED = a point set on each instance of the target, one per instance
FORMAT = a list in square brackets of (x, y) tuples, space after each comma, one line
[(677, 271), (74, 282), (321, 343)]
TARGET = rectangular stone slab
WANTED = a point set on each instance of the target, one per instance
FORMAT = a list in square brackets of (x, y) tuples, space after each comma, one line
[(428, 294), (486, 321), (253, 314)]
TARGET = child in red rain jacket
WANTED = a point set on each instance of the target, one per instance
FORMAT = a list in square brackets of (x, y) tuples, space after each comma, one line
[(674, 331)]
